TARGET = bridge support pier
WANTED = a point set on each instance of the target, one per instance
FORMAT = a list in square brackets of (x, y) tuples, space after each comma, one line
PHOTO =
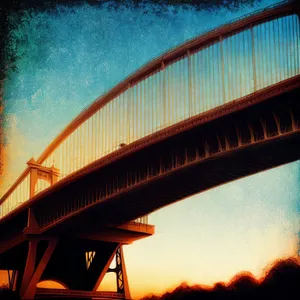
[(78, 259), (74, 265), (34, 268), (121, 274)]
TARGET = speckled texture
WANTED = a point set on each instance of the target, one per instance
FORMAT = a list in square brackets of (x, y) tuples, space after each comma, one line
[(68, 56)]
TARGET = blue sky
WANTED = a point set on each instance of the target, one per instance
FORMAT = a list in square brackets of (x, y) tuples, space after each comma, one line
[(71, 56)]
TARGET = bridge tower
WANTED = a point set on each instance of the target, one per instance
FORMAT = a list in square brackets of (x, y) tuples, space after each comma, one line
[(38, 171)]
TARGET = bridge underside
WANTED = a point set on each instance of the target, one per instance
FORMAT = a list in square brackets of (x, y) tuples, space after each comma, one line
[(238, 144), (79, 262)]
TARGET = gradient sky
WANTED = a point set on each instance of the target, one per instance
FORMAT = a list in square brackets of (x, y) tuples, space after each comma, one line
[(70, 56)]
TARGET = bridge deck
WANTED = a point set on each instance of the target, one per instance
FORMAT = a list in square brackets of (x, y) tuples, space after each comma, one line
[(216, 68)]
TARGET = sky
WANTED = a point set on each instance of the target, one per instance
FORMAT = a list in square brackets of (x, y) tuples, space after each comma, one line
[(69, 57)]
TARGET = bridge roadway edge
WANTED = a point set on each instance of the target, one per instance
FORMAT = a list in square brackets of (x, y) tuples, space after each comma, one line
[(185, 126), (278, 139)]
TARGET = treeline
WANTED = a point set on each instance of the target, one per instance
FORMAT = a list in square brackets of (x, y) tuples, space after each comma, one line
[(282, 281)]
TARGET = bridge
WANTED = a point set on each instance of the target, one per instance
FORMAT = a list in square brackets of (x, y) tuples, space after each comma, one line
[(219, 107)]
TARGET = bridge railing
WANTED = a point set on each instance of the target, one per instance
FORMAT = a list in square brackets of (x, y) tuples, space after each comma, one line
[(16, 197), (142, 220), (209, 71), (221, 71)]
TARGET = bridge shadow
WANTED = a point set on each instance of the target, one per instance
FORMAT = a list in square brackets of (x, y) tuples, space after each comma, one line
[(6, 294), (282, 281)]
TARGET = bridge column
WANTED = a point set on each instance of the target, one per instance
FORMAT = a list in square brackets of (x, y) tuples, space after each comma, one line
[(81, 266), (34, 269), (121, 274), (105, 269)]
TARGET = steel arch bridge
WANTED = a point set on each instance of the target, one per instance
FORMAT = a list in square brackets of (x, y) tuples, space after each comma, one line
[(212, 102)]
